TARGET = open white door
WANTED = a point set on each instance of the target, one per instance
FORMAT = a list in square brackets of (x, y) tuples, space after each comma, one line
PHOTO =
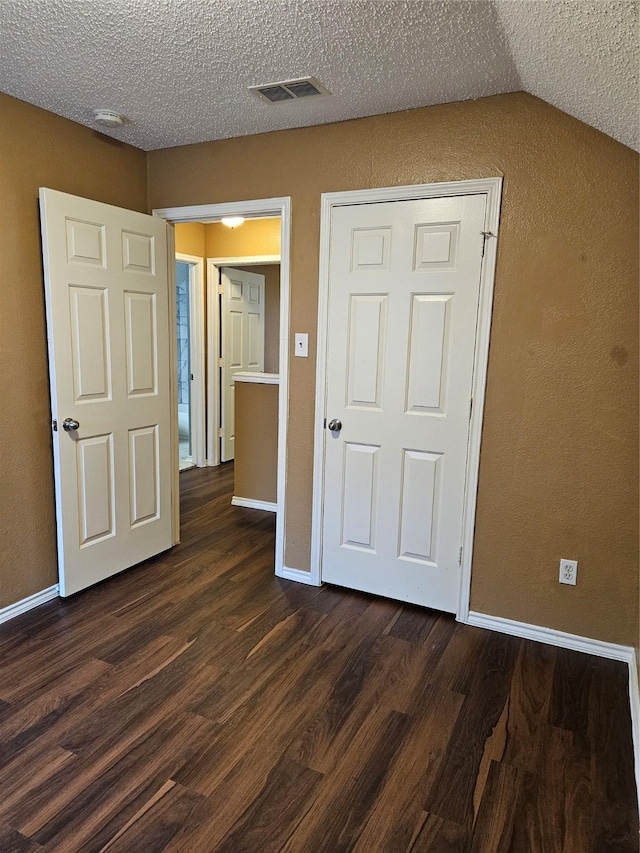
[(404, 282), (108, 336), (242, 341)]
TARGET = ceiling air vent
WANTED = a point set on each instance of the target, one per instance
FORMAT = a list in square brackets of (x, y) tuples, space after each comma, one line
[(290, 90)]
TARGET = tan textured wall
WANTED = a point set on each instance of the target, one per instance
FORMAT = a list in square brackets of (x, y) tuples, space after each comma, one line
[(271, 273), (256, 456), (37, 149), (190, 239), (559, 461), (253, 237)]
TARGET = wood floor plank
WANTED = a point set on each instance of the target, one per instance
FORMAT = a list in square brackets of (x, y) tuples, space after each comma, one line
[(494, 828), (198, 704), (437, 835), (168, 812), (274, 814), (11, 841), (529, 699), (410, 777), (414, 624), (111, 780), (611, 758), (452, 795), (346, 798), (569, 706)]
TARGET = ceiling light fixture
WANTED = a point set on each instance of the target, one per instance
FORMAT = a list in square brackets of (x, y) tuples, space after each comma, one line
[(108, 118), (232, 221)]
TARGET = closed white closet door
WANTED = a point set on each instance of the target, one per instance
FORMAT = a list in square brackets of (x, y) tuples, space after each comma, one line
[(403, 305)]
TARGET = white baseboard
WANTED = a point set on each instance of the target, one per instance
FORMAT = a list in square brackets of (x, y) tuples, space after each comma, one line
[(577, 644), (297, 575), (251, 503), (551, 637), (28, 603)]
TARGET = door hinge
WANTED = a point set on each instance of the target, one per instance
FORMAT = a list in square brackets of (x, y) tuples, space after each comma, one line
[(54, 425), (221, 362), (221, 289), (486, 234), (220, 432), (460, 557), (470, 407)]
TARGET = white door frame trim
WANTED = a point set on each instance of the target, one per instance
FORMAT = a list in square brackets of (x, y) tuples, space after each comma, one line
[(260, 208), (196, 347), (492, 188), (214, 266)]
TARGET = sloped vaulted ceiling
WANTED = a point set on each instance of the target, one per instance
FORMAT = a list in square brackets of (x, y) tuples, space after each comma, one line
[(179, 69)]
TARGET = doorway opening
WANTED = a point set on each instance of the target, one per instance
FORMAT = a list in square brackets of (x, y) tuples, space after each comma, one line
[(184, 365), (245, 333), (189, 276)]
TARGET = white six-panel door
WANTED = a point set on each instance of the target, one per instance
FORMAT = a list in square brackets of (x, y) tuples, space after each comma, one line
[(404, 282), (108, 337), (242, 341)]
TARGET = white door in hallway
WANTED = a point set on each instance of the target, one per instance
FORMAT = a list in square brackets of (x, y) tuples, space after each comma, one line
[(106, 287), (242, 342), (404, 281)]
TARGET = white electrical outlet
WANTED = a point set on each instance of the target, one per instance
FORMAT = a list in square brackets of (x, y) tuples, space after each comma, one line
[(569, 571)]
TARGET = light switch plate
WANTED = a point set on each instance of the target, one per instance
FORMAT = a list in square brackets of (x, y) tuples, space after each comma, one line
[(301, 345)]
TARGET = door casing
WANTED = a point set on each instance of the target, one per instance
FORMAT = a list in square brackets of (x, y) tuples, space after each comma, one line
[(196, 346), (492, 188), (256, 208)]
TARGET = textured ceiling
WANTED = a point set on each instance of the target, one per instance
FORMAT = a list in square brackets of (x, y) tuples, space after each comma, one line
[(178, 69)]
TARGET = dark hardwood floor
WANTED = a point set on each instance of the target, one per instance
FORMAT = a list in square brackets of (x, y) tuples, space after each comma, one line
[(196, 703)]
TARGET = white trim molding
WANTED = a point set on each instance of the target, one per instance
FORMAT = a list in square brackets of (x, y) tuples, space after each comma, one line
[(196, 352), (245, 260), (257, 378), (213, 370), (298, 576), (253, 503), (492, 188), (265, 208), (550, 636), (28, 603)]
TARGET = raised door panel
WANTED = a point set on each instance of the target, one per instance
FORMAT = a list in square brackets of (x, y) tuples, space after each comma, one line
[(255, 345), (421, 472), (96, 489), (435, 247), (144, 475), (234, 340), (370, 249), (141, 343), (359, 496), (138, 253), (366, 349), (85, 243), (427, 359), (91, 357)]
